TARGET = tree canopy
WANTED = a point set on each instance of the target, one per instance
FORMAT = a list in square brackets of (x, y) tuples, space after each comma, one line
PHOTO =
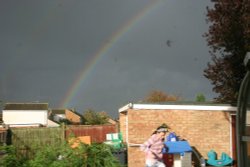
[(229, 40), (156, 96), (95, 118)]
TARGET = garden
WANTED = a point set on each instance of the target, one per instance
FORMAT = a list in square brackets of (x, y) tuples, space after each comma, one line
[(62, 155)]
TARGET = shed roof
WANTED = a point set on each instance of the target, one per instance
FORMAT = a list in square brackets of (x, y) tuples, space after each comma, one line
[(179, 106), (58, 111), (26, 106)]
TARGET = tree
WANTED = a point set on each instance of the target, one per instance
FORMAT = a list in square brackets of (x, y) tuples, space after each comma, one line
[(229, 40), (94, 118), (156, 96), (200, 98)]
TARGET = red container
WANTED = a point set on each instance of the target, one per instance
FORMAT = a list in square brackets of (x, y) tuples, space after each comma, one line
[(168, 159)]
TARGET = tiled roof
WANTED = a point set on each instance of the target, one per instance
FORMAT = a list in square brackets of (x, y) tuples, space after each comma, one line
[(26, 106), (58, 111), (75, 112)]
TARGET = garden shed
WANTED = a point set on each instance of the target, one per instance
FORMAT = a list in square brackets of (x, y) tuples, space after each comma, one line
[(25, 114), (206, 126)]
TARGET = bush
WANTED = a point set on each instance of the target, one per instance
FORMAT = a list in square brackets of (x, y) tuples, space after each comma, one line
[(95, 155), (10, 158), (62, 156)]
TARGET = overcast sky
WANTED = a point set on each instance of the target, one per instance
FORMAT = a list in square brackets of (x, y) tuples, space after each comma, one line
[(102, 53)]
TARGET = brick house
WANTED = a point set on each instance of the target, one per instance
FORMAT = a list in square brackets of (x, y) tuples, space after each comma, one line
[(73, 117), (204, 126), (65, 114)]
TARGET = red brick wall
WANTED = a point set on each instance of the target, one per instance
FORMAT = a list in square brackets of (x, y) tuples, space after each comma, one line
[(205, 130)]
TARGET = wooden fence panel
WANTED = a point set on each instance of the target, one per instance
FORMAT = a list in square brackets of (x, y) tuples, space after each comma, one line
[(28, 140), (3, 136), (96, 132), (28, 137)]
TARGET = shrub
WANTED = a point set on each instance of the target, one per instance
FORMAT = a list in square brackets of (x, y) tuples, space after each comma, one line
[(10, 158), (95, 155)]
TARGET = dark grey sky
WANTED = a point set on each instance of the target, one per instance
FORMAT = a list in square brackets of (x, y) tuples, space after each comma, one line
[(46, 44)]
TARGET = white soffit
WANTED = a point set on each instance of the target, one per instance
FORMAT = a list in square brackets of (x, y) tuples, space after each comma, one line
[(177, 107)]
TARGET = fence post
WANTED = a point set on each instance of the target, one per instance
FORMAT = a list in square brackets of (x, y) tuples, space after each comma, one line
[(63, 132)]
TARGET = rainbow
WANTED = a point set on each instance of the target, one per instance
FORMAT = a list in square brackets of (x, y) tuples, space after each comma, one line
[(105, 47)]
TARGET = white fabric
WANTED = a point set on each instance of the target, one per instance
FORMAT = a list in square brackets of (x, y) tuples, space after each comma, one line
[(154, 163)]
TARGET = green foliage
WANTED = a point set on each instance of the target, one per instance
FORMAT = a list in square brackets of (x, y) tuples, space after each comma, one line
[(200, 98), (10, 157), (95, 155), (101, 155), (95, 118), (59, 156)]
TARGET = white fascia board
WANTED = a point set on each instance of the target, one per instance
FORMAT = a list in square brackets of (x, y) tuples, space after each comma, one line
[(184, 107), (125, 108), (177, 107)]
